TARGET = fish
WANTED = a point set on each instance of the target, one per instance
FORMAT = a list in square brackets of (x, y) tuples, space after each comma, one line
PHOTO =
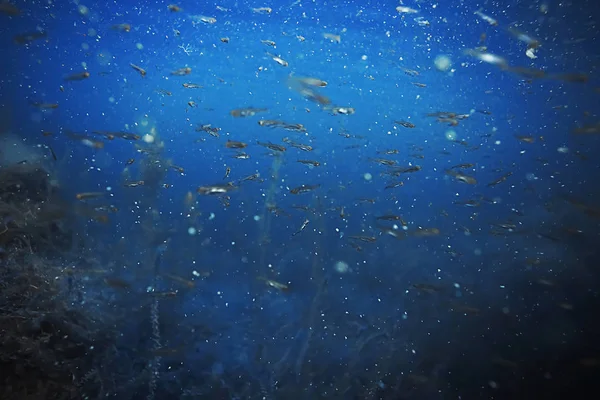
[(89, 195), (272, 146), (269, 43), (78, 76), (241, 155), (278, 60), (366, 239), (204, 19), (52, 152), (309, 162), (500, 180), (462, 177), (302, 227), (27, 38), (343, 110), (185, 282), (138, 69), (45, 106), (134, 184), (232, 144), (182, 71), (121, 27), (246, 112), (9, 9), (332, 37), (525, 139), (275, 285), (217, 189), (486, 18), (191, 86), (427, 288), (405, 124), (304, 189), (309, 81), (406, 10), (303, 147), (262, 10)]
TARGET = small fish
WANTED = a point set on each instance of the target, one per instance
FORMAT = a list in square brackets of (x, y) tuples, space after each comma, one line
[(121, 27), (252, 177), (52, 152), (462, 166), (138, 69), (304, 225), (217, 189), (276, 285), (427, 288), (394, 185), (383, 161), (278, 60), (303, 147), (246, 112), (262, 10), (185, 282), (232, 144), (425, 232), (309, 81), (27, 38), (88, 195), (525, 139), (182, 71), (224, 39), (304, 189), (332, 37), (227, 172), (206, 20), (272, 146), (241, 156), (392, 217), (405, 124), (191, 86), (269, 43), (500, 180), (343, 110), (366, 239), (117, 283), (173, 8), (177, 168), (462, 177), (406, 10), (78, 76), (9, 9), (486, 18), (133, 184), (310, 162), (44, 106)]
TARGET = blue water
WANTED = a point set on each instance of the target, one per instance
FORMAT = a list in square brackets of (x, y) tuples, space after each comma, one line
[(366, 331)]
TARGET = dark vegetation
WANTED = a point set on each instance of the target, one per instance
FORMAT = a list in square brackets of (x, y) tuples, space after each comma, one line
[(63, 338)]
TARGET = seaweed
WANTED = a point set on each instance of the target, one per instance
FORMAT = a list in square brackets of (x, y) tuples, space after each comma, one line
[(48, 348)]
